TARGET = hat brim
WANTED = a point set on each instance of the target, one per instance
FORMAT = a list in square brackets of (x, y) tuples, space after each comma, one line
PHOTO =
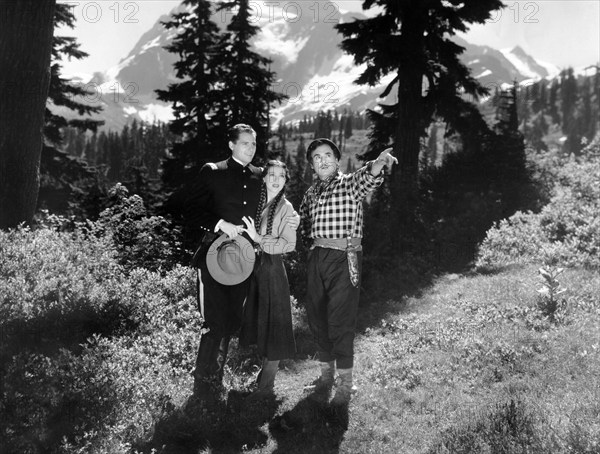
[(247, 260)]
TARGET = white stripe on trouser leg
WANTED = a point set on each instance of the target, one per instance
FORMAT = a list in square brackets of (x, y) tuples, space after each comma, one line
[(201, 294)]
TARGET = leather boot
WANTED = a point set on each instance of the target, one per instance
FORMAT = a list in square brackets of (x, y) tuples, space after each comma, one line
[(202, 371), (266, 383), (345, 388), (221, 358), (321, 387)]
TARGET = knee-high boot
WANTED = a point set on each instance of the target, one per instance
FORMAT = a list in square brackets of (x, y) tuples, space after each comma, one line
[(204, 363), (266, 382), (221, 358)]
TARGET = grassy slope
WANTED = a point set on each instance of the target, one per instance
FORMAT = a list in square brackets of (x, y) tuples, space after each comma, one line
[(467, 366)]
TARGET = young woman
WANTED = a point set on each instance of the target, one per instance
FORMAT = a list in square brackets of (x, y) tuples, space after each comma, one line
[(267, 314)]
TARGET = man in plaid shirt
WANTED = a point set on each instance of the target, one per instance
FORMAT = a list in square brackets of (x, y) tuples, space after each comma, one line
[(332, 221)]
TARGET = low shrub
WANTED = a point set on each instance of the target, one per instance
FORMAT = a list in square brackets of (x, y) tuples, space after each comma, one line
[(112, 391), (92, 354), (58, 283), (141, 240), (566, 231)]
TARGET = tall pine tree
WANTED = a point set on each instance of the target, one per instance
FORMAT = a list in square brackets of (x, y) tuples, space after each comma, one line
[(62, 92), (509, 175), (66, 183), (223, 83), (348, 126), (245, 93), (297, 184), (553, 101), (411, 40), (571, 116), (587, 112), (192, 98)]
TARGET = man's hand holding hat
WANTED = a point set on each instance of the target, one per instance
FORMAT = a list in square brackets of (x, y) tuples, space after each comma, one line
[(229, 229)]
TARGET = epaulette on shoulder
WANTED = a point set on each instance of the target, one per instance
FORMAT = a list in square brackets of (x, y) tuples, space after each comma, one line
[(255, 170), (216, 165)]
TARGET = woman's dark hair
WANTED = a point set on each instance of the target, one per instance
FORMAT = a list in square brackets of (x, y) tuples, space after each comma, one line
[(234, 132), (263, 197), (317, 143)]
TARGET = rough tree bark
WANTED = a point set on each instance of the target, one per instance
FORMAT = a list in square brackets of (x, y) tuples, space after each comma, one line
[(26, 28)]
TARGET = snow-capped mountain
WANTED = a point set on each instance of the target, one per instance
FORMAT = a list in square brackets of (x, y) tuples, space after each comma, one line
[(311, 69), (494, 67)]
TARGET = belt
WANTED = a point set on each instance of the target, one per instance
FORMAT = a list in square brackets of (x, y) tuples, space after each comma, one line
[(337, 243)]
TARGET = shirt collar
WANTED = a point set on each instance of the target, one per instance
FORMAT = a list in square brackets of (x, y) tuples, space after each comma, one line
[(320, 185), (328, 180), (235, 162)]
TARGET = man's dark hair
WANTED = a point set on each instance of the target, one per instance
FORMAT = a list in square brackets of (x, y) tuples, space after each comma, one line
[(234, 132), (317, 143)]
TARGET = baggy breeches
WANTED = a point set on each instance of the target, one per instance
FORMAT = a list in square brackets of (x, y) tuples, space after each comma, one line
[(332, 304)]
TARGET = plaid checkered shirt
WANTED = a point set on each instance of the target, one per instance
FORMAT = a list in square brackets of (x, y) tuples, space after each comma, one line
[(330, 208)]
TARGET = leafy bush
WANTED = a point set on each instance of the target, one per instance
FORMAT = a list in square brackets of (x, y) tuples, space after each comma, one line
[(63, 284), (70, 284), (141, 240), (566, 231), (512, 240), (112, 391), (58, 283)]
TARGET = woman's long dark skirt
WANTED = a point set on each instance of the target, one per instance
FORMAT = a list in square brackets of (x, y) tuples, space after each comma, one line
[(267, 320)]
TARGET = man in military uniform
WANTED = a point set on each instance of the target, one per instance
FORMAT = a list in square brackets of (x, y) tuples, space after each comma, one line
[(226, 192)]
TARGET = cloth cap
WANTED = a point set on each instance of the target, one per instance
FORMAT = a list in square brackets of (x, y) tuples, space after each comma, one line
[(318, 142)]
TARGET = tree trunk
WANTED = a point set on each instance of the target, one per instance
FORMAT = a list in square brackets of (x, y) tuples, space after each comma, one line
[(404, 185), (408, 133), (26, 28)]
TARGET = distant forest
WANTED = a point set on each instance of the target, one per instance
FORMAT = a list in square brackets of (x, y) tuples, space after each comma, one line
[(134, 155)]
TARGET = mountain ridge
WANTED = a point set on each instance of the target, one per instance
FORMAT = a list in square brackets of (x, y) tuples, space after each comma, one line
[(310, 67)]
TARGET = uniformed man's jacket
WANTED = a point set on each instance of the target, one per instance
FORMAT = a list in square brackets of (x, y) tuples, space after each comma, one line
[(225, 190)]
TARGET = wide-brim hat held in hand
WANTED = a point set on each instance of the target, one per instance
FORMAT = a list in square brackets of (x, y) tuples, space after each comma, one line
[(230, 261)]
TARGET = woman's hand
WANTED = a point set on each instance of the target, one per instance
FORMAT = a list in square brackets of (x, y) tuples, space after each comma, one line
[(251, 229)]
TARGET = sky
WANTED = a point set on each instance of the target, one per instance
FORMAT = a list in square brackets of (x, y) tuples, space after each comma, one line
[(562, 32)]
